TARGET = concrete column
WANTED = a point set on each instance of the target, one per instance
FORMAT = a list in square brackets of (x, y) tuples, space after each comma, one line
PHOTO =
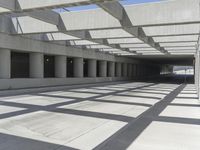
[(102, 68), (78, 67), (111, 71), (119, 69), (60, 66), (5, 62), (130, 70), (125, 69), (36, 65), (197, 72), (92, 68)]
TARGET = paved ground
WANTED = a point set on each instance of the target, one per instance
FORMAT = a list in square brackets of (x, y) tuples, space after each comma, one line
[(133, 116)]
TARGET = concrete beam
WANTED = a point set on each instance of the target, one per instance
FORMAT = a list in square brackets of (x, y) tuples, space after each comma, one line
[(29, 5), (118, 11), (55, 19), (19, 43), (8, 4)]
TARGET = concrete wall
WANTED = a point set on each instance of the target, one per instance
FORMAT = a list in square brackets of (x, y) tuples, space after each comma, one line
[(37, 49), (43, 82)]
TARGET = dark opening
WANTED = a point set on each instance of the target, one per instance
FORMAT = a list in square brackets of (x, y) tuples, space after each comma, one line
[(70, 67), (85, 67), (19, 65), (134, 71), (98, 69), (108, 68), (49, 66), (122, 70), (115, 69)]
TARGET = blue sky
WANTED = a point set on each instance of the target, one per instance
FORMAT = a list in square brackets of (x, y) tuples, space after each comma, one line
[(123, 2), (128, 2)]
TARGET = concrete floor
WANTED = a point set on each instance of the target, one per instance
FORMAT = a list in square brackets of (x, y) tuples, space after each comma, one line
[(133, 116)]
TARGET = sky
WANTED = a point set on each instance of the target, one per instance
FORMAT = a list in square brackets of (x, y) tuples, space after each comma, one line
[(123, 2)]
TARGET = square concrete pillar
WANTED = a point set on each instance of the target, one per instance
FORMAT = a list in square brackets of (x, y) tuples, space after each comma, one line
[(92, 68), (60, 66), (102, 68), (111, 69), (36, 65), (78, 67), (5, 63)]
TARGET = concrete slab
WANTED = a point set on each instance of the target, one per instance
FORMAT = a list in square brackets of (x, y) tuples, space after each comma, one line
[(128, 99), (8, 109), (139, 94), (88, 90), (70, 94), (191, 101), (37, 100), (109, 108), (182, 112), (168, 136), (84, 118), (51, 127)]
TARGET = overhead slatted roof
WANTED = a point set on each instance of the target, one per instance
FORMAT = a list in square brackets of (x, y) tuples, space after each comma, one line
[(164, 28)]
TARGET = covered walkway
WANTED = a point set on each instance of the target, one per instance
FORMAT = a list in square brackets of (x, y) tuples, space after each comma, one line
[(115, 116), (72, 77)]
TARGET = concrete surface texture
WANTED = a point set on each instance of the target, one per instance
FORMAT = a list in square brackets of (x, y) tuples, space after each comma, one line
[(117, 116)]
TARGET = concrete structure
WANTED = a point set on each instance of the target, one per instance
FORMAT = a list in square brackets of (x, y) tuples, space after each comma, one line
[(105, 116), (123, 35), (94, 75)]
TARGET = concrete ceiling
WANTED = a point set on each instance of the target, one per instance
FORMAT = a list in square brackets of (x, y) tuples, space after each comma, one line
[(168, 29)]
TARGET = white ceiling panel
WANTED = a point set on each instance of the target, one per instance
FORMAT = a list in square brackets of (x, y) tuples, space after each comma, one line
[(83, 42), (172, 30), (60, 36), (134, 45), (98, 46), (180, 48), (25, 24), (2, 10), (124, 40), (179, 44), (171, 11), (29, 4), (109, 33), (91, 19), (142, 49), (176, 38)]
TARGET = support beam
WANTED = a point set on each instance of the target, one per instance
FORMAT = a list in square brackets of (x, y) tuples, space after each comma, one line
[(117, 10), (8, 4), (55, 19), (19, 44), (86, 35), (29, 5)]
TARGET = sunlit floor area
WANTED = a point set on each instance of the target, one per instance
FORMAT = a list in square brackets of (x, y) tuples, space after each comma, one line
[(115, 116)]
